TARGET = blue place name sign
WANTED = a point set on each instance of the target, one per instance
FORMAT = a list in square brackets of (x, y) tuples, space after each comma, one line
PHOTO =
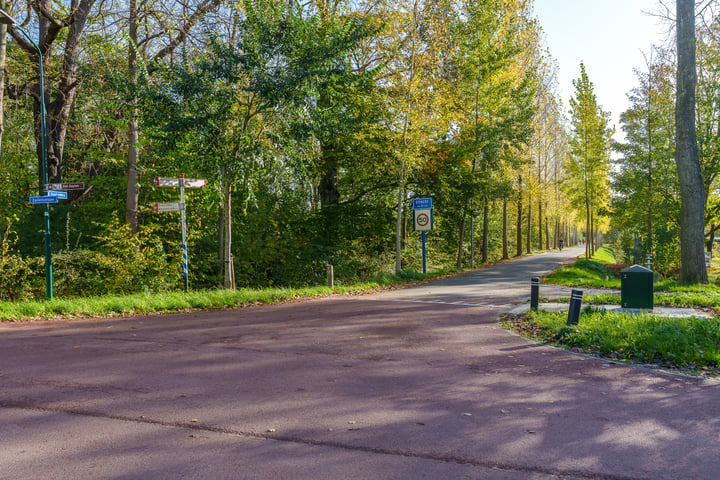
[(45, 199), (422, 203)]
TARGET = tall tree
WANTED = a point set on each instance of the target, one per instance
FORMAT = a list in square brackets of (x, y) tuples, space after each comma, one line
[(590, 155), (645, 178), (692, 191)]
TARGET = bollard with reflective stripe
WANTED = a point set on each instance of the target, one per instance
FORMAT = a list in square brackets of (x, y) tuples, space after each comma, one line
[(534, 293), (574, 310)]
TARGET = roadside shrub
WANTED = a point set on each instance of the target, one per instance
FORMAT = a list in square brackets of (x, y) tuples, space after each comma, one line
[(20, 278)]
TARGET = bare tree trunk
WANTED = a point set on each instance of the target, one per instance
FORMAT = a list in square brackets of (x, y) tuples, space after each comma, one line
[(692, 189)]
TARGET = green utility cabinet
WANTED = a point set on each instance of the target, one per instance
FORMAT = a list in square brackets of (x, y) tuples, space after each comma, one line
[(636, 287)]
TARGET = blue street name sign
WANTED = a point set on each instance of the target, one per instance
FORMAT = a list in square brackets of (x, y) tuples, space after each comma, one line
[(58, 194), (46, 199), (422, 203)]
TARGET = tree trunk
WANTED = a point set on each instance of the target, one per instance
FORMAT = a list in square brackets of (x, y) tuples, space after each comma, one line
[(3, 49), (398, 226), (486, 230), (132, 193), (528, 240), (518, 223), (547, 233), (229, 271), (461, 239), (540, 225), (505, 253), (692, 190)]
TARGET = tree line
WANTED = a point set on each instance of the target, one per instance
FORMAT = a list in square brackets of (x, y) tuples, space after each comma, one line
[(315, 123)]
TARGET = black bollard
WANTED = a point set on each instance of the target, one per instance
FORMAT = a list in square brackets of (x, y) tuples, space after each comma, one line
[(574, 310), (534, 292)]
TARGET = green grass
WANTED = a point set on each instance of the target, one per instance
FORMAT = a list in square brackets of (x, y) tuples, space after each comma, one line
[(689, 344), (584, 273), (140, 304), (604, 255)]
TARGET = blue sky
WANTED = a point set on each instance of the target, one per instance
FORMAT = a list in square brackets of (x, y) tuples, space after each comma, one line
[(609, 36)]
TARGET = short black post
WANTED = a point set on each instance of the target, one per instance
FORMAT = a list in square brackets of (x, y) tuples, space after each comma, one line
[(574, 310), (534, 292)]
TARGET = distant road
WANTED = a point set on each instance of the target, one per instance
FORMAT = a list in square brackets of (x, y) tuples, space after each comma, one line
[(508, 281)]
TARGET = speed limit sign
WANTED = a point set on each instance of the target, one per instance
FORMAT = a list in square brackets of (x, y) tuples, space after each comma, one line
[(423, 219)]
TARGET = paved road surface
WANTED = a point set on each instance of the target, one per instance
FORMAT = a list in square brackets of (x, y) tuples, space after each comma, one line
[(413, 384)]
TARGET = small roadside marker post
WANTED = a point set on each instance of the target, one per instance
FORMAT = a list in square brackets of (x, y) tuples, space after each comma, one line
[(574, 310), (183, 183), (534, 292)]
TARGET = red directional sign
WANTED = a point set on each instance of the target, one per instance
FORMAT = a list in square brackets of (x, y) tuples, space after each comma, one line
[(169, 207)]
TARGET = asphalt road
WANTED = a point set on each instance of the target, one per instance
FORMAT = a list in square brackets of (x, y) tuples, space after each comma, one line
[(412, 384)]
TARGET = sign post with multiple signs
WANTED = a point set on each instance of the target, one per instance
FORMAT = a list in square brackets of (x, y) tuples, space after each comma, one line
[(183, 183), (54, 193), (423, 221)]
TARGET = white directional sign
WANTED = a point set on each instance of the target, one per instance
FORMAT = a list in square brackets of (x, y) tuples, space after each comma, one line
[(65, 186), (175, 182), (195, 183), (169, 207), (423, 219)]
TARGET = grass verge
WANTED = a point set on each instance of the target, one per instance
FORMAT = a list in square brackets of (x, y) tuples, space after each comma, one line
[(689, 345), (141, 304)]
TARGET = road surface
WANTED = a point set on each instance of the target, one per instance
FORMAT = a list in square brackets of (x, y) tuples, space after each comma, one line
[(412, 384)]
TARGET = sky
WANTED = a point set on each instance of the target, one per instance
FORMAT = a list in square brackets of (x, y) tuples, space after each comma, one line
[(609, 37)]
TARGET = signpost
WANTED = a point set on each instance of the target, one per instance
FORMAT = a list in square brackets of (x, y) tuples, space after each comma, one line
[(423, 221), (183, 183)]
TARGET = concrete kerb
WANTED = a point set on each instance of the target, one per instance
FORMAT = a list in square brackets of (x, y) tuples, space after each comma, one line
[(663, 312)]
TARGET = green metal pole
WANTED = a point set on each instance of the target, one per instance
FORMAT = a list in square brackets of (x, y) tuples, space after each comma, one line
[(43, 150)]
